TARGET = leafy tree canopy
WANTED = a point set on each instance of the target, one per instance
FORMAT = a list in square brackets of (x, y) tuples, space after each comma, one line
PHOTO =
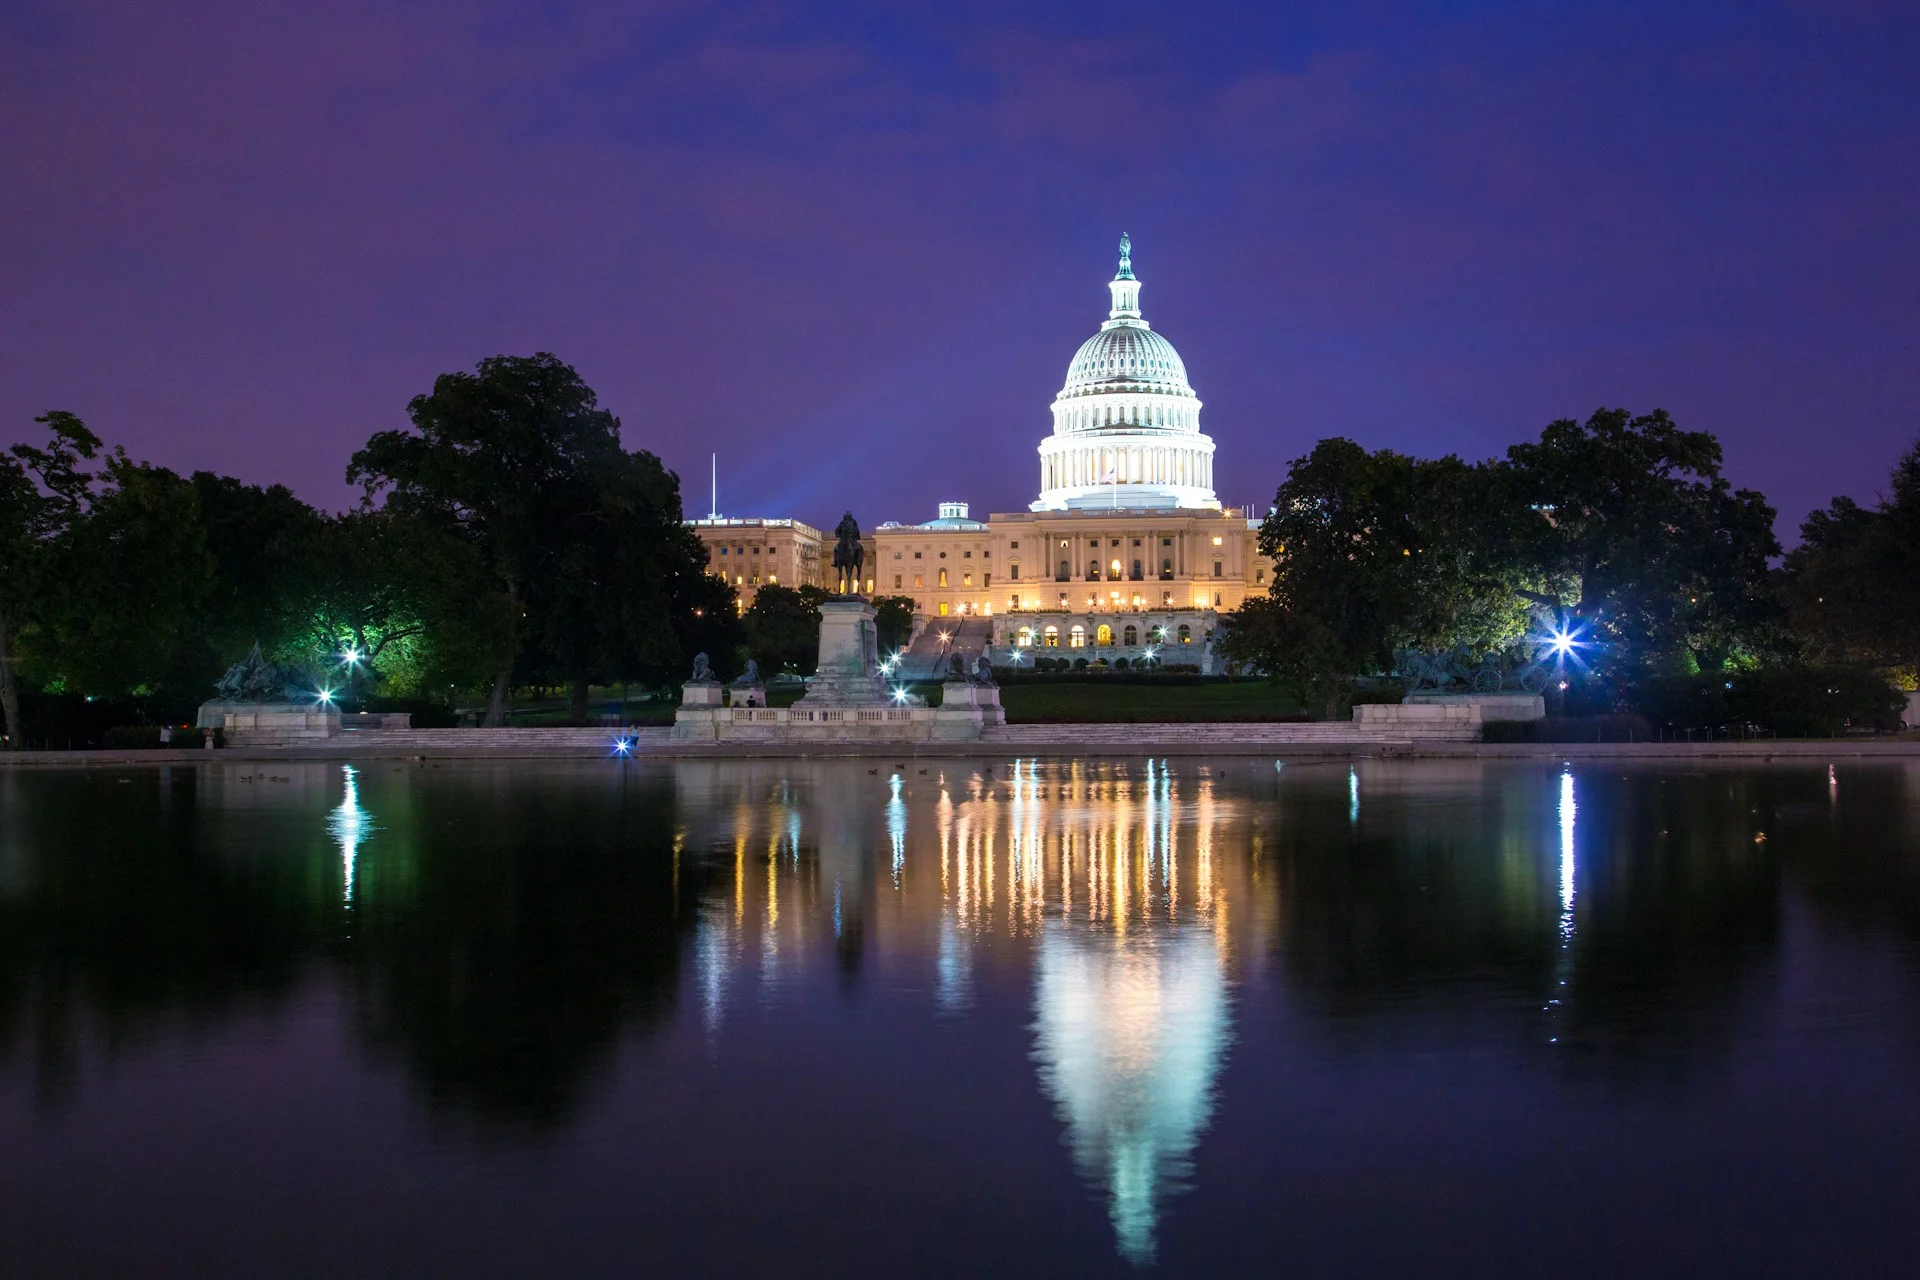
[(580, 563), (782, 629), (1852, 586), (1663, 561)]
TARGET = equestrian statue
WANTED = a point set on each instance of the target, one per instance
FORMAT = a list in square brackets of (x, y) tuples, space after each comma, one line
[(848, 556)]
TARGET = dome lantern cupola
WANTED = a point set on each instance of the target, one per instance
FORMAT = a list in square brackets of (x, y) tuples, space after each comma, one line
[(1125, 290)]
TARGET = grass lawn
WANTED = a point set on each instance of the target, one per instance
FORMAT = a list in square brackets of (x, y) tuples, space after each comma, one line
[(1042, 703)]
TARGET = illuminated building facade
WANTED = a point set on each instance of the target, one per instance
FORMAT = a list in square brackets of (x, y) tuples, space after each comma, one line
[(1125, 553), (753, 553)]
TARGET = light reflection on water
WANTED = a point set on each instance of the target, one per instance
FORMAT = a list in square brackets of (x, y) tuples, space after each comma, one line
[(1151, 954), (1106, 874), (350, 824)]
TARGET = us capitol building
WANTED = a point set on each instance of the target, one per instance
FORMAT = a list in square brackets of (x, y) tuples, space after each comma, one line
[(1126, 550)]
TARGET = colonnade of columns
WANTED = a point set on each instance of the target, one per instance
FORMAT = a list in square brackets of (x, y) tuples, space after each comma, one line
[(1075, 466), (1165, 413)]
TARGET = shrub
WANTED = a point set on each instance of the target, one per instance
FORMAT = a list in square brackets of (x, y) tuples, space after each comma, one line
[(1571, 729), (1809, 702), (428, 713), (146, 737)]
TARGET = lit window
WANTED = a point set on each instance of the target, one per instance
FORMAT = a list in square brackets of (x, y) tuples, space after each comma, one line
[(1077, 637), (917, 581), (943, 577), (1185, 633), (1216, 539), (966, 579), (943, 608)]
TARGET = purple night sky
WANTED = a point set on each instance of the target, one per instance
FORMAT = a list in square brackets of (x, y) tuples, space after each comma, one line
[(853, 247)]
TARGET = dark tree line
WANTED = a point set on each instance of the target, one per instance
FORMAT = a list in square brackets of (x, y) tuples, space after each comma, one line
[(1619, 533), (507, 539)]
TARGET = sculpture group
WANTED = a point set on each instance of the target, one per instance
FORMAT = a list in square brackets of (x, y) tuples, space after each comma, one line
[(1465, 669)]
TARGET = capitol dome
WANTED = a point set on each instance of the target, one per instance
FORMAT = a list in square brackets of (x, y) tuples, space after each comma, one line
[(1126, 358), (1126, 426)]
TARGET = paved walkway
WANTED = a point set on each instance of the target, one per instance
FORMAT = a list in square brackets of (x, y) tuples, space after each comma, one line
[(1290, 740)]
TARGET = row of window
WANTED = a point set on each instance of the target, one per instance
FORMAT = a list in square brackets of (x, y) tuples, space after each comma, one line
[(1048, 637), (1114, 603)]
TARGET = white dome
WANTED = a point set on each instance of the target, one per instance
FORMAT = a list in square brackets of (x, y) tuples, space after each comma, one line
[(1126, 358), (1126, 426)]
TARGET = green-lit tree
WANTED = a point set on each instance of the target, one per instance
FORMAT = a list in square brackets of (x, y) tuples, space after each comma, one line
[(1374, 551), (580, 564), (117, 572), (43, 492), (1661, 560)]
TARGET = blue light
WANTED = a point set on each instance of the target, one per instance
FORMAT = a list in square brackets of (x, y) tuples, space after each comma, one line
[(1561, 641), (900, 694), (621, 746)]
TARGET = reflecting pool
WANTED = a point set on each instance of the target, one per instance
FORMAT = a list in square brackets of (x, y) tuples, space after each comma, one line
[(950, 1018)]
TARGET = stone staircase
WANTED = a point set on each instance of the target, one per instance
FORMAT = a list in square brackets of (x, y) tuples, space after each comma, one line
[(927, 657)]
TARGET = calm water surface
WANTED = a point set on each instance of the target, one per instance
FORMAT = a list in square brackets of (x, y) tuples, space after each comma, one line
[(1043, 1018)]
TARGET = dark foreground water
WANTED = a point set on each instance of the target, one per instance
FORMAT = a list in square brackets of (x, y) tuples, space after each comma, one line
[(1447, 1018)]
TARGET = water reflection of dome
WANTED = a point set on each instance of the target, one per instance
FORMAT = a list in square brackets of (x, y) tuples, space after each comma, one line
[(1130, 1033)]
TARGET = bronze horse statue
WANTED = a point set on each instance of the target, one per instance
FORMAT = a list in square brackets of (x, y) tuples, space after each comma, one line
[(848, 556)]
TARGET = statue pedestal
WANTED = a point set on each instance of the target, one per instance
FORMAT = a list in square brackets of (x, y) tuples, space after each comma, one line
[(269, 723), (849, 671), (747, 695), (1491, 706), (1449, 716), (965, 709), (700, 693)]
